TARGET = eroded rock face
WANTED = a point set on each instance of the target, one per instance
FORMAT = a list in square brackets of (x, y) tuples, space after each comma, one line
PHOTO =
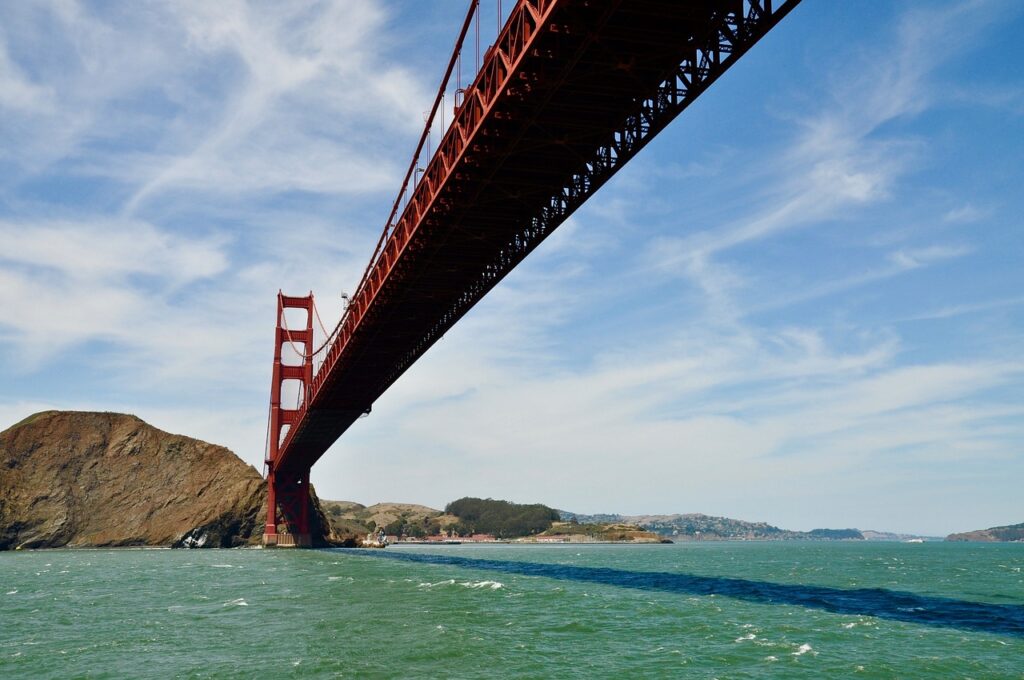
[(82, 479)]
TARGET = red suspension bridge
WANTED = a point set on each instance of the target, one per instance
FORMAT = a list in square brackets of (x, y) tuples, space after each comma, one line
[(568, 93)]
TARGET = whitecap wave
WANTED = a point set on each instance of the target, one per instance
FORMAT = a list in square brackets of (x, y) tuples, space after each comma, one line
[(449, 582), (493, 585), (240, 602)]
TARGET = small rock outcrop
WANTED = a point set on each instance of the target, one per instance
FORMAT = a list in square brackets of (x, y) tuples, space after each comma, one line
[(81, 479)]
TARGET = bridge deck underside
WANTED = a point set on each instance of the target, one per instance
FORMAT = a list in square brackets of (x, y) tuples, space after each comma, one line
[(568, 96)]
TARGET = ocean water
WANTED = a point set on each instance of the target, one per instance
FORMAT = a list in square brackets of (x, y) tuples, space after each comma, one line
[(701, 610)]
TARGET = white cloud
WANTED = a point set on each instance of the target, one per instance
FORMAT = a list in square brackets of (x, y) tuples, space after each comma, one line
[(67, 282), (111, 249), (921, 257), (966, 213), (959, 310)]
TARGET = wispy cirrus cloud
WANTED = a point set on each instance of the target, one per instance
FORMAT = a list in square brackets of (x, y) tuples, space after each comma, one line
[(298, 69), (230, 105), (66, 282), (222, 99)]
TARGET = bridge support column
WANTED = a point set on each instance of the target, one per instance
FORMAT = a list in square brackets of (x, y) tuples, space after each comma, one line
[(287, 490), (291, 493)]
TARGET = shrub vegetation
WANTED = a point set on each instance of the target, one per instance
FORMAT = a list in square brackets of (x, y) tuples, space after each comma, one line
[(500, 518)]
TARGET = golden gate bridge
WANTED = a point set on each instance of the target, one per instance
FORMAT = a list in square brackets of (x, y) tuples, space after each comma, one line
[(567, 94)]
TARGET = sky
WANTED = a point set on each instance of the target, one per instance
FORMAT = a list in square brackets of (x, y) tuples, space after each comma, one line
[(803, 303)]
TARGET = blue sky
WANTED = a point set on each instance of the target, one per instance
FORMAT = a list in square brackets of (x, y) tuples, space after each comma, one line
[(802, 303)]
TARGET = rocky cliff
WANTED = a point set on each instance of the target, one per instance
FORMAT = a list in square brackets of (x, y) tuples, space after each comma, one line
[(1013, 532), (107, 479)]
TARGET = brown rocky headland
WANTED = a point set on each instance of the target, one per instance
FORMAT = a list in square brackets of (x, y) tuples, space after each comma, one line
[(83, 479), (1011, 533)]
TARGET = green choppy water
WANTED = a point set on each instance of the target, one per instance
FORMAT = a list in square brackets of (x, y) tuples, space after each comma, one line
[(729, 610)]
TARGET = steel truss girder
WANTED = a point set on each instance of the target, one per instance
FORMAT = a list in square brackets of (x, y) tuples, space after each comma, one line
[(372, 348), (733, 33)]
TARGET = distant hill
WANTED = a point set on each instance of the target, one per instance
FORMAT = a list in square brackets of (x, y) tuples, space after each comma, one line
[(1011, 533), (836, 534), (576, 532), (872, 535), (406, 519), (474, 515), (465, 516), (696, 526)]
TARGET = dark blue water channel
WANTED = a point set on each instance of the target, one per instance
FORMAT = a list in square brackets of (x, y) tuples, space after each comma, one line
[(1005, 619)]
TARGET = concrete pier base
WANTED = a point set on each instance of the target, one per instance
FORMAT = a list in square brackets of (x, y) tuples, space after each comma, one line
[(287, 541)]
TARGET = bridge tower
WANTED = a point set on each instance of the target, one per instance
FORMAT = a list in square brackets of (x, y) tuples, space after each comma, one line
[(288, 489)]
